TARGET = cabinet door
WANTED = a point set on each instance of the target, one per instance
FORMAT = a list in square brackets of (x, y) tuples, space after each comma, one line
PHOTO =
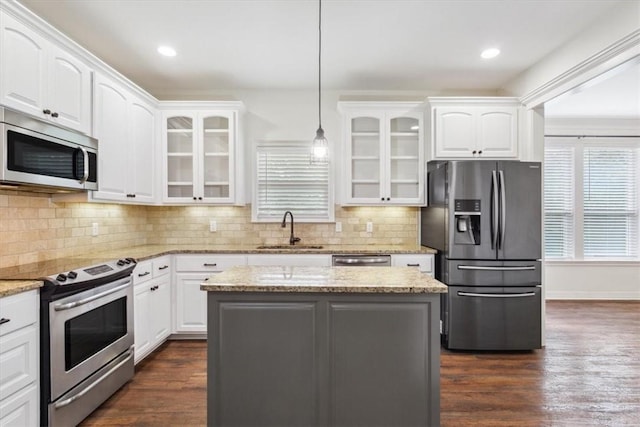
[(23, 67), (404, 165), (160, 318), (21, 409), (69, 93), (455, 131), (497, 131), (217, 157), (142, 310), (364, 152), (142, 152), (111, 118), (179, 138), (191, 309)]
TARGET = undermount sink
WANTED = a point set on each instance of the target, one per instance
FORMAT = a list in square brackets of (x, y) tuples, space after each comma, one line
[(292, 247)]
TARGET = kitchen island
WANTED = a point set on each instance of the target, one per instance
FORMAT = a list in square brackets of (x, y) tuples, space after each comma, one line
[(323, 346)]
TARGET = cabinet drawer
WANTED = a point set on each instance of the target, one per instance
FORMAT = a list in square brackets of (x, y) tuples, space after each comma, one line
[(161, 266), (422, 261), (18, 311), (143, 272), (208, 262), (21, 409), (18, 360)]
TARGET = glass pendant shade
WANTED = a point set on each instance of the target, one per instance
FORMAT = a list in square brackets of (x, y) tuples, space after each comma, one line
[(320, 148)]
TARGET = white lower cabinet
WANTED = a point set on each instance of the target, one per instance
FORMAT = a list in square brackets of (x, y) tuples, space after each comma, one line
[(423, 261), (19, 349), (190, 301), (152, 305)]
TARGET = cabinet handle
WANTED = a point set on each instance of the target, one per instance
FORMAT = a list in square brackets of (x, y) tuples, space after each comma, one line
[(46, 111), (206, 264), (413, 265), (4, 320), (54, 114), (164, 267), (146, 273)]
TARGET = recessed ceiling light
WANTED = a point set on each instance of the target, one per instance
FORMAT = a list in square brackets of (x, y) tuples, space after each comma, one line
[(490, 53), (166, 51)]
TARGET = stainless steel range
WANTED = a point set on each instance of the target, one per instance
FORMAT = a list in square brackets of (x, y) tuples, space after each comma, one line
[(86, 339)]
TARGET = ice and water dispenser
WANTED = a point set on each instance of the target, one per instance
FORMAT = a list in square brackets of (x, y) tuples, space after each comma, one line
[(467, 217)]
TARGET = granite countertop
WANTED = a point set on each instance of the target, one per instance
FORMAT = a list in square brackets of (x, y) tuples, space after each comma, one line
[(406, 280), (11, 287), (21, 278)]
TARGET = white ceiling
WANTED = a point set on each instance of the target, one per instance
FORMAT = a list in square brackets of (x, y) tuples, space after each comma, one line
[(367, 44)]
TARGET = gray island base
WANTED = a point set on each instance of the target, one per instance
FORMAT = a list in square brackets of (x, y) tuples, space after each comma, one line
[(323, 346)]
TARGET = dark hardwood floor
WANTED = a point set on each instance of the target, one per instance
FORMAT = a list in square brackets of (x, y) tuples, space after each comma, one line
[(587, 375)]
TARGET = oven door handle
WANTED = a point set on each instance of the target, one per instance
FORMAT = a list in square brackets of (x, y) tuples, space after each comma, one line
[(70, 400), (361, 261), (74, 304)]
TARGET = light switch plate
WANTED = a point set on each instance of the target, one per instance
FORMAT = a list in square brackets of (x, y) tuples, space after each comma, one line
[(95, 229), (213, 225), (338, 227), (369, 227)]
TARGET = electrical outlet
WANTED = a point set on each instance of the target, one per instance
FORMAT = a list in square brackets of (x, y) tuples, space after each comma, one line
[(213, 225), (95, 229), (338, 227), (369, 227)]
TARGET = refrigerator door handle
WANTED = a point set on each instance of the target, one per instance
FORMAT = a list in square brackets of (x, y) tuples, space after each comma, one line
[(507, 268), (474, 294), (503, 210), (494, 210)]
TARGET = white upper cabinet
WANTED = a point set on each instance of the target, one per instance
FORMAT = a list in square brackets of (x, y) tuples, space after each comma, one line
[(384, 153), (40, 78), (200, 155), (125, 128), (474, 127)]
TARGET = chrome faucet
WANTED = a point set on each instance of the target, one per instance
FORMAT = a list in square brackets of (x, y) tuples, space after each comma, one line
[(292, 239)]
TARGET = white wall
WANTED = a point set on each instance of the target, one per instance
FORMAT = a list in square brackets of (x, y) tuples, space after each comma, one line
[(582, 280)]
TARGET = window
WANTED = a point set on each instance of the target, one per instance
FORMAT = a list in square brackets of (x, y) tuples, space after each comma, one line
[(285, 180), (591, 189)]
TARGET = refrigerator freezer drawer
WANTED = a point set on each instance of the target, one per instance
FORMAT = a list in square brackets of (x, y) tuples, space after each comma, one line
[(493, 318), (491, 273)]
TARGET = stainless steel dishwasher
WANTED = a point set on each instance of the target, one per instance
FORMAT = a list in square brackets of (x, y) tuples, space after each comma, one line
[(361, 260)]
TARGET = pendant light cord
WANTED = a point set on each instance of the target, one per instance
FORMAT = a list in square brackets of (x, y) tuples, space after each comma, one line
[(319, 62)]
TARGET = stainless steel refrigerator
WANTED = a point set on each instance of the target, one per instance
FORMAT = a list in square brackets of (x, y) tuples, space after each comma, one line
[(484, 218)]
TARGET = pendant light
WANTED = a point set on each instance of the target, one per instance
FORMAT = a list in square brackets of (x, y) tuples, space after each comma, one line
[(319, 145)]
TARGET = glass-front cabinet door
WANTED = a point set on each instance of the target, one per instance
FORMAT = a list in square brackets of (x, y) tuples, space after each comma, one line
[(365, 155), (404, 160), (217, 157), (383, 154), (180, 160), (199, 156)]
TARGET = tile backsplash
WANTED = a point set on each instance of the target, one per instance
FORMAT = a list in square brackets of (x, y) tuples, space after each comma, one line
[(35, 228)]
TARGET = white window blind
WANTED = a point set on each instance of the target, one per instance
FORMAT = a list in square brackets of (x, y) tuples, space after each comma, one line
[(287, 181), (610, 195), (559, 201)]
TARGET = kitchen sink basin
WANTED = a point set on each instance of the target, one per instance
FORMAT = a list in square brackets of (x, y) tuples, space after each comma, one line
[(292, 247)]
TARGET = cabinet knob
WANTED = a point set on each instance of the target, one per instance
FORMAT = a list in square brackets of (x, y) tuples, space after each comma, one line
[(199, 198), (480, 152), (473, 152), (382, 198), (388, 198), (195, 198), (54, 114), (46, 111)]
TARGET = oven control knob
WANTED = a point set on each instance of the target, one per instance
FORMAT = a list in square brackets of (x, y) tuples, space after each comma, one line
[(61, 277), (72, 275), (120, 262), (130, 260), (127, 260)]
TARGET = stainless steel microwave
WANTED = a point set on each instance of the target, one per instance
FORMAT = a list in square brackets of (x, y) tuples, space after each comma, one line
[(39, 156)]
